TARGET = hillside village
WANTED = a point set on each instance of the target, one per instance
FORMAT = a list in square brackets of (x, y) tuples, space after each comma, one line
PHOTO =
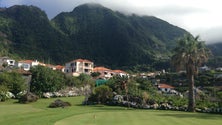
[(84, 66), (72, 68)]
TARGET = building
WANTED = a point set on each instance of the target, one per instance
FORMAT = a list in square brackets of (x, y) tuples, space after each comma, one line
[(27, 64), (219, 69), (165, 88), (204, 68), (60, 68), (105, 73), (120, 73), (50, 66), (53, 67), (78, 66)]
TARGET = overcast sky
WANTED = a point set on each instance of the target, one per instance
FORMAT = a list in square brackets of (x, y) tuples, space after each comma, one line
[(200, 17)]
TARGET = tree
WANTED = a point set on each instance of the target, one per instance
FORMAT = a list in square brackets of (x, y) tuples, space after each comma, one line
[(72, 81), (13, 81), (86, 80), (95, 74), (46, 80), (3, 92), (103, 94), (189, 54), (145, 97)]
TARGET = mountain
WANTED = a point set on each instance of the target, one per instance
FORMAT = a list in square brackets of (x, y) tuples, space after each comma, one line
[(216, 50), (32, 34), (115, 39), (89, 31)]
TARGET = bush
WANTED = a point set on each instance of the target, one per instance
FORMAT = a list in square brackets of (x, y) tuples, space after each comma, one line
[(3, 97), (28, 97), (59, 103), (3, 93), (102, 94)]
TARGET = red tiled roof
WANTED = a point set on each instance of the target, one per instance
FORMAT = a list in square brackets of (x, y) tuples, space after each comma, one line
[(26, 61), (119, 71), (81, 60), (100, 69), (165, 86), (59, 67)]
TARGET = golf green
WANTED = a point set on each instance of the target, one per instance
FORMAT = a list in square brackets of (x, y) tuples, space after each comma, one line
[(142, 117), (38, 113)]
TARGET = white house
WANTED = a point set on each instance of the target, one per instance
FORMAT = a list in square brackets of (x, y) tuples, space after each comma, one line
[(219, 68), (120, 73), (78, 66), (204, 68), (27, 64), (60, 68), (165, 88), (105, 73)]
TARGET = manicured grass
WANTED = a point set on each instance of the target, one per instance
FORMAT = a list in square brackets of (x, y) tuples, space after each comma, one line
[(37, 113)]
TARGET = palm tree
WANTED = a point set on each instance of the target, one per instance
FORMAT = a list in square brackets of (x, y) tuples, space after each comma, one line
[(190, 53)]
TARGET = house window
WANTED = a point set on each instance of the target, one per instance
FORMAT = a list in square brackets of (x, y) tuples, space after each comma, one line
[(86, 64), (72, 64), (86, 70), (67, 70)]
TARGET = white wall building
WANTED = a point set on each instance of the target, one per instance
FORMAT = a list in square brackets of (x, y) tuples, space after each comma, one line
[(78, 66), (165, 87), (27, 64)]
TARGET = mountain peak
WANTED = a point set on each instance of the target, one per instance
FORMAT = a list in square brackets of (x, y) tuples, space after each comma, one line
[(89, 6), (23, 11)]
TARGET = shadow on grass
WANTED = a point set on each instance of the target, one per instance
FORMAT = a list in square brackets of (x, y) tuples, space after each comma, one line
[(192, 115)]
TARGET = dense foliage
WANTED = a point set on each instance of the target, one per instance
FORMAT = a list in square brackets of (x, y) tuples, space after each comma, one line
[(45, 79), (31, 34), (101, 94), (12, 81)]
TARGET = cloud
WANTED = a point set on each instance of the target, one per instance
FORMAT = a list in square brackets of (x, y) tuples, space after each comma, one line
[(210, 35), (202, 17)]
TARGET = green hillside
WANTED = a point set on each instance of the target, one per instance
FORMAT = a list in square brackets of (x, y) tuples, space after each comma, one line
[(115, 39), (90, 31), (31, 34), (216, 49)]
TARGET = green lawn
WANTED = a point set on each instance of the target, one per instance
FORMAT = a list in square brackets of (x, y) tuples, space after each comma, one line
[(37, 113)]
